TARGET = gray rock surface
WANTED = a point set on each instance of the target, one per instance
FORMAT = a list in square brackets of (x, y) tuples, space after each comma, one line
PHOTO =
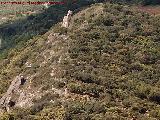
[(7, 100), (67, 19)]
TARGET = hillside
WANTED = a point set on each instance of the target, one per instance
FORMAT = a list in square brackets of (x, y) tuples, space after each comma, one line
[(17, 21), (153, 10), (22, 27), (18, 10), (142, 2), (105, 66)]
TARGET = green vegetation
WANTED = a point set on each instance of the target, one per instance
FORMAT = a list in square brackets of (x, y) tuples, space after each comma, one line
[(112, 56), (13, 32)]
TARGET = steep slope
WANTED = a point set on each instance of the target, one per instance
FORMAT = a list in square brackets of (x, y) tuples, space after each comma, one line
[(153, 10), (142, 2), (105, 66)]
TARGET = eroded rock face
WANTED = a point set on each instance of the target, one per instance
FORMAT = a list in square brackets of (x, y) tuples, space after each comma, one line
[(8, 99), (67, 19)]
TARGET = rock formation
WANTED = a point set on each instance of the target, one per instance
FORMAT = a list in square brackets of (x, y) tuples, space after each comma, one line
[(67, 19), (7, 100)]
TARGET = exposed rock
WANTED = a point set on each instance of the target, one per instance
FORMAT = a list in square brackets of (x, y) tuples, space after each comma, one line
[(25, 99), (28, 65), (19, 95), (7, 100), (60, 92), (4, 18), (67, 19), (54, 38)]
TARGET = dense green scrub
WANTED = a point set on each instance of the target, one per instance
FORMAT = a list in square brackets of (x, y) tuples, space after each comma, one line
[(113, 57)]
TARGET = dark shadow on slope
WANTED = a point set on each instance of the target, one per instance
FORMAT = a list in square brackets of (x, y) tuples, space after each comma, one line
[(22, 30), (25, 29)]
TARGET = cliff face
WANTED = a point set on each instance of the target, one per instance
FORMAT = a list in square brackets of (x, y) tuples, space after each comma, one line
[(104, 65)]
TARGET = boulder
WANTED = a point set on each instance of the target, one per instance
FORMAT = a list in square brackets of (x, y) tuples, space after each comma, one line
[(8, 100)]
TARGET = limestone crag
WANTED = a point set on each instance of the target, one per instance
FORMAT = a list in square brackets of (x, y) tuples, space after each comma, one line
[(7, 100), (67, 19)]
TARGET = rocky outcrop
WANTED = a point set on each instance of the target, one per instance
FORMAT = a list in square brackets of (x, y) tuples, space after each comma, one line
[(8, 100), (19, 94), (22, 93), (67, 19)]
